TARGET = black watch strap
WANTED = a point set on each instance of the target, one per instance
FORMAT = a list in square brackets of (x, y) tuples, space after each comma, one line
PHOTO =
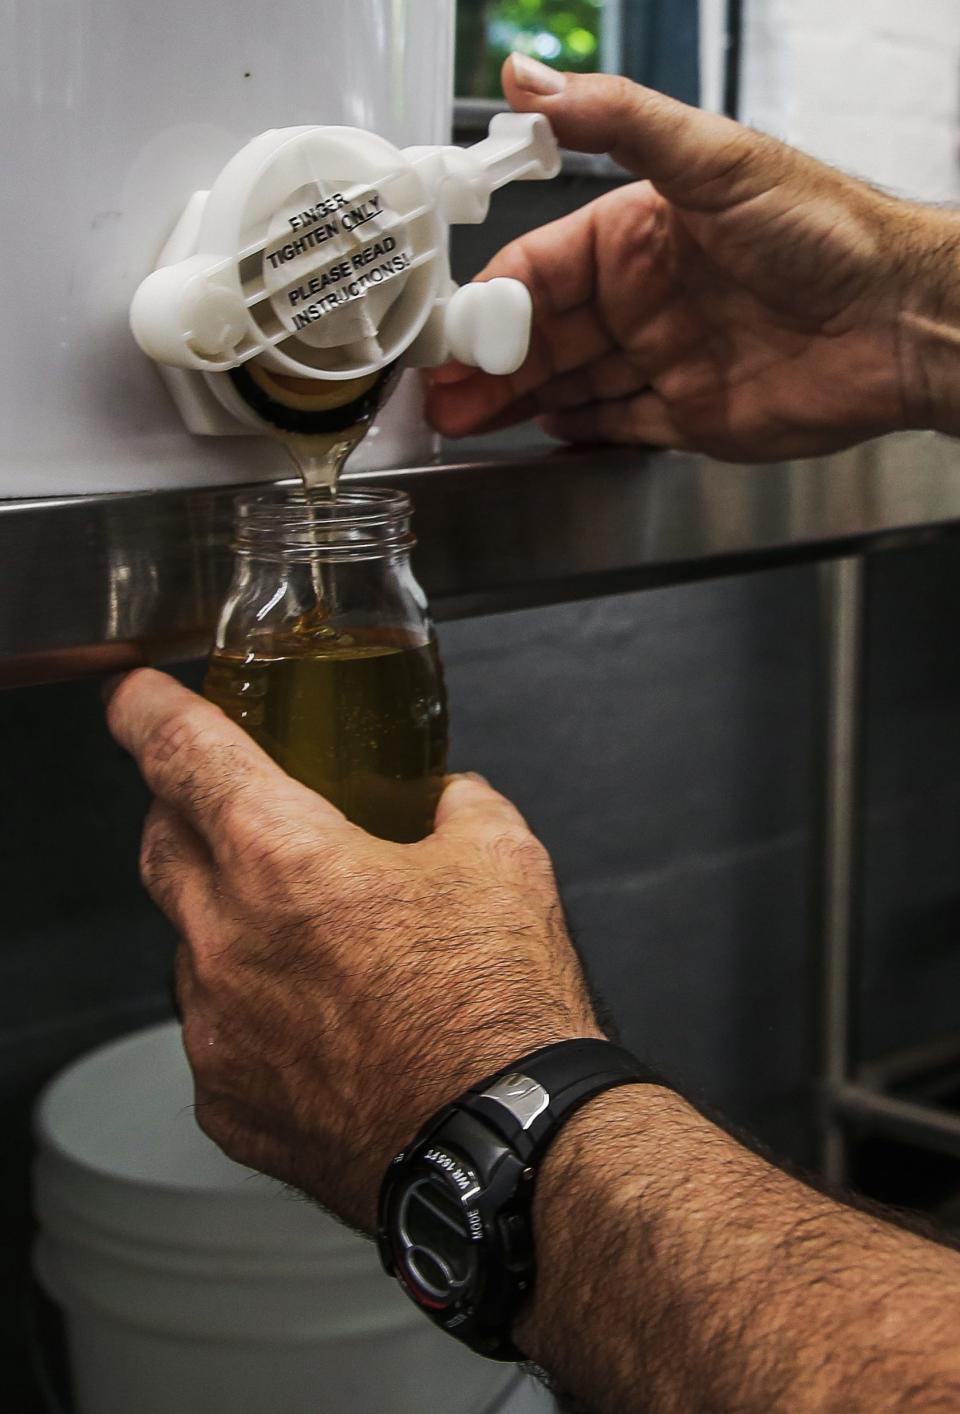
[(527, 1103), (455, 1214)]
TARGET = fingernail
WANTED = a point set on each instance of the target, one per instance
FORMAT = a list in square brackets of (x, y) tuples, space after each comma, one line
[(535, 77)]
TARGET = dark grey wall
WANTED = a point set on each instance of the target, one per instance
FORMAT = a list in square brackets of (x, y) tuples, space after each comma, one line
[(660, 745), (911, 980)]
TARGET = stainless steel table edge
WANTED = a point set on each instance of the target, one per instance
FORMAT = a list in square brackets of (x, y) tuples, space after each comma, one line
[(93, 584)]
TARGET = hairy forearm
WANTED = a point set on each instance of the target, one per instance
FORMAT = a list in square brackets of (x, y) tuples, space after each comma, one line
[(680, 1272), (930, 318)]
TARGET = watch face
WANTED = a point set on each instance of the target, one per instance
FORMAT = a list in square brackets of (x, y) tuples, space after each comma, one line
[(435, 1231)]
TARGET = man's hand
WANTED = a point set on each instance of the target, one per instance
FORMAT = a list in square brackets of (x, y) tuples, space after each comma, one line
[(744, 300), (336, 989)]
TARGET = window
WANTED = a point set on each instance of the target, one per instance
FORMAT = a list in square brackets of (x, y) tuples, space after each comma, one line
[(575, 35), (654, 41)]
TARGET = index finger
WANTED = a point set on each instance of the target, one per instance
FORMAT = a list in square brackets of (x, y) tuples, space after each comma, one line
[(693, 157), (193, 757)]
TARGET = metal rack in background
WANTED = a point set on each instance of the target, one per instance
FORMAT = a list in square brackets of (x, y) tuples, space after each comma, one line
[(857, 1098)]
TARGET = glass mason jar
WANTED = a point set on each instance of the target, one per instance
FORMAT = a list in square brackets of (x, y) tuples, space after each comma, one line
[(326, 655)]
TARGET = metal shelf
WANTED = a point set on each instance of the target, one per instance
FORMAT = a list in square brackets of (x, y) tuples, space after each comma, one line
[(93, 584)]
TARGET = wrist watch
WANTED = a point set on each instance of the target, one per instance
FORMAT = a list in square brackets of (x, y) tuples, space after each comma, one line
[(455, 1216)]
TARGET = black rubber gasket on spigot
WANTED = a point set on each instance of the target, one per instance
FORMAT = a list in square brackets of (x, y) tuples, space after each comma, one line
[(310, 421)]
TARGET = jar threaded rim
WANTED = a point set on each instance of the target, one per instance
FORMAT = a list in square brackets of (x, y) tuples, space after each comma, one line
[(358, 522)]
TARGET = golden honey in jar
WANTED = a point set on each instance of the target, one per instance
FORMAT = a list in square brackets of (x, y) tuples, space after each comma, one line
[(326, 655)]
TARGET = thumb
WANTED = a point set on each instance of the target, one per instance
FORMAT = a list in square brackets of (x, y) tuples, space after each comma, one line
[(470, 806), (694, 158)]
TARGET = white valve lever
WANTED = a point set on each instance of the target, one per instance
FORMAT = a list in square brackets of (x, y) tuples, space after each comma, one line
[(520, 147), (488, 325)]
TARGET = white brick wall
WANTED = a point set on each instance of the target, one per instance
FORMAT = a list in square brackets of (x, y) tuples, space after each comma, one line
[(870, 85)]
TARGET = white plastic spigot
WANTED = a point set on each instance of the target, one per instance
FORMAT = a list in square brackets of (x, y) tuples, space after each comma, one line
[(488, 325), (322, 252)]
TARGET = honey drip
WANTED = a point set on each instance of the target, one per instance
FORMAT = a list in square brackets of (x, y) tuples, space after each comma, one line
[(320, 456)]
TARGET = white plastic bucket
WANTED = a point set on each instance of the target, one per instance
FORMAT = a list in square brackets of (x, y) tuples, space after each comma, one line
[(193, 1286)]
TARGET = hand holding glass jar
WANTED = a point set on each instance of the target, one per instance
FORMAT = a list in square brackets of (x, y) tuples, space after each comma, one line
[(337, 988)]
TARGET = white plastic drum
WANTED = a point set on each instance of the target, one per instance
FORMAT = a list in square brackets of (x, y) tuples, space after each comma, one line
[(112, 113), (193, 1286)]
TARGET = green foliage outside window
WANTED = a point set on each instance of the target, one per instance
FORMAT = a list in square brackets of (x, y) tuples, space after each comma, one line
[(563, 33)]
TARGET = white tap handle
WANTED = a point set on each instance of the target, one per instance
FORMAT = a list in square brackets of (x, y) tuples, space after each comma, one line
[(520, 147), (488, 325)]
